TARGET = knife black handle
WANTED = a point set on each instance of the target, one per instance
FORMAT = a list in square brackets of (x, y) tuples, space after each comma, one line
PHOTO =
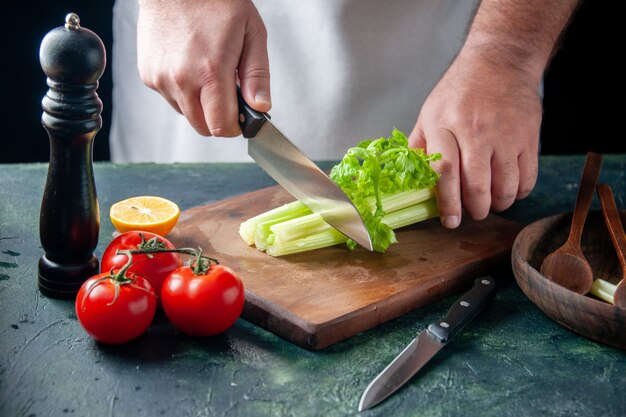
[(250, 120), (464, 309)]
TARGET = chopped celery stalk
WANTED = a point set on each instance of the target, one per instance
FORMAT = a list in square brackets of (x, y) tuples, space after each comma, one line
[(394, 202), (247, 229), (412, 214), (292, 227), (244, 234), (604, 290), (330, 236), (317, 241), (313, 223), (299, 227), (262, 234)]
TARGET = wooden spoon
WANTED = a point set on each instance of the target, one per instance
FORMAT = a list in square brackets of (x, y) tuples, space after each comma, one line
[(616, 230), (567, 265)]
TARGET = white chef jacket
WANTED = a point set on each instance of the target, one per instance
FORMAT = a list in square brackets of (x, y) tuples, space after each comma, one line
[(341, 71)]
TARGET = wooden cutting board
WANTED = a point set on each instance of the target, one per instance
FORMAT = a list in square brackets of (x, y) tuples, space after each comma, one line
[(320, 297)]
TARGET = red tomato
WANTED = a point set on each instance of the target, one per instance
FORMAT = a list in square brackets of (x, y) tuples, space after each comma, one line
[(202, 305), (115, 319), (155, 268)]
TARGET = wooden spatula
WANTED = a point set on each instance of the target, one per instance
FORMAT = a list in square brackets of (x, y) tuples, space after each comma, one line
[(567, 266)]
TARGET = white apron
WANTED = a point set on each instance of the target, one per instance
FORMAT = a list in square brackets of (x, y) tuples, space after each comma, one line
[(341, 71)]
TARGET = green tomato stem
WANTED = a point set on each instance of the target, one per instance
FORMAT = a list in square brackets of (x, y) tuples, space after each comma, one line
[(118, 278), (200, 266)]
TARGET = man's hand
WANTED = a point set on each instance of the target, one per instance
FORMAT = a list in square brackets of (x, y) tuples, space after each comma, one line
[(193, 52), (484, 115), (484, 119)]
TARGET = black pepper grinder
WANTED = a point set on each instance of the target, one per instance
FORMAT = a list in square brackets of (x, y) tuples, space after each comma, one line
[(73, 58)]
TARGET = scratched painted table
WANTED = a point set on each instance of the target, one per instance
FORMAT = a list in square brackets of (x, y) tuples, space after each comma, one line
[(512, 361)]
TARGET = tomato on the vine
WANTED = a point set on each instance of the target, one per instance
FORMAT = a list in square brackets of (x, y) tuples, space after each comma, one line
[(115, 308), (155, 266), (202, 301)]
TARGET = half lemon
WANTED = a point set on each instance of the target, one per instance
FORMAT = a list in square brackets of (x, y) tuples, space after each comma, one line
[(145, 213)]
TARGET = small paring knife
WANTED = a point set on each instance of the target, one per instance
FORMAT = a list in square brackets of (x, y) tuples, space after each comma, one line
[(428, 343), (297, 174)]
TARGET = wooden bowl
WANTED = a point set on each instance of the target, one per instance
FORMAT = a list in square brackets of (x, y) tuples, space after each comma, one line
[(583, 314)]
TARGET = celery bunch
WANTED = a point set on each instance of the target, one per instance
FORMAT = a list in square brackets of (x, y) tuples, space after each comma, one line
[(390, 184), (604, 290)]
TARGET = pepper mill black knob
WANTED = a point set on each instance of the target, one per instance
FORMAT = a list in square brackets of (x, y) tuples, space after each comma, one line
[(73, 58)]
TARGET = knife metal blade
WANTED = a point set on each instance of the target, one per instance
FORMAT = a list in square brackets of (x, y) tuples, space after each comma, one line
[(300, 176), (428, 343)]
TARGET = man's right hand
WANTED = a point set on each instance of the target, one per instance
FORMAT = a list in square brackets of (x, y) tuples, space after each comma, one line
[(193, 51)]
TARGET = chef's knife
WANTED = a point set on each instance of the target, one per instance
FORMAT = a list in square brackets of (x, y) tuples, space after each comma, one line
[(297, 174), (428, 343)]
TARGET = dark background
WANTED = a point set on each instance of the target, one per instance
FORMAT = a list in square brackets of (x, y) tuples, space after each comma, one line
[(584, 85), (25, 23)]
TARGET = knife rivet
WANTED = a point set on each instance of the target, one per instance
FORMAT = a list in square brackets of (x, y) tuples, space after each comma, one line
[(485, 281), (464, 304), (444, 324), (242, 118)]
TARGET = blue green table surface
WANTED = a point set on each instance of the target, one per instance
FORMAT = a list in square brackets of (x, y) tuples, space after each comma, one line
[(511, 361)]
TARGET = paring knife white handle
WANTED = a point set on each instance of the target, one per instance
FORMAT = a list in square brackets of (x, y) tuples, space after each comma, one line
[(464, 309)]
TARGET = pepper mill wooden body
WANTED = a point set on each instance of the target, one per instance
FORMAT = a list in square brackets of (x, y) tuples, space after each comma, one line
[(73, 58)]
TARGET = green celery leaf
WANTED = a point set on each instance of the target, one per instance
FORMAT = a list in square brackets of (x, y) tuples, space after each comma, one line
[(382, 166)]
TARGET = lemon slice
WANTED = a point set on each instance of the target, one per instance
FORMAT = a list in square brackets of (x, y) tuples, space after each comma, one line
[(146, 213)]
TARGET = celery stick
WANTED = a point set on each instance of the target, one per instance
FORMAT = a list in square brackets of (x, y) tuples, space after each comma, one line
[(243, 232), (412, 214), (330, 237), (397, 201), (299, 227), (313, 223), (321, 240), (247, 229), (604, 290), (262, 234)]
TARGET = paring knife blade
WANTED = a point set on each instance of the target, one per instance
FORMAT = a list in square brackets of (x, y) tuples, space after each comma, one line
[(300, 176), (428, 343)]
